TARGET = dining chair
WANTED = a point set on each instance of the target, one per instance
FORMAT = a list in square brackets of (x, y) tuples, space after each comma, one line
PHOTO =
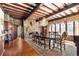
[(61, 41), (37, 37), (42, 40)]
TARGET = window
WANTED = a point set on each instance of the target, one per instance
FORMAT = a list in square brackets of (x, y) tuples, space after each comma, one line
[(70, 28), (49, 28), (57, 28), (53, 28), (63, 27)]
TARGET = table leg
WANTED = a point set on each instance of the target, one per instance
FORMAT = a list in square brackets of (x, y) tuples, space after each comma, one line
[(44, 44), (49, 43), (53, 43)]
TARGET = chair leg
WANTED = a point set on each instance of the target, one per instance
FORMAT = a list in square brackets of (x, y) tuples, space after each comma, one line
[(64, 46), (44, 44), (49, 43), (60, 47), (57, 45), (53, 44)]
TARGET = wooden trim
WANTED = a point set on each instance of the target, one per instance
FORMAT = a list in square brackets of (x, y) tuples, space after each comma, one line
[(44, 11), (40, 12)]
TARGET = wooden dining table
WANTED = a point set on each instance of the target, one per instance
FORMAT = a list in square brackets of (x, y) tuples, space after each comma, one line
[(49, 39)]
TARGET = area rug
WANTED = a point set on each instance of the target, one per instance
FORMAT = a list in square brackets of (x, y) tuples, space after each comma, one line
[(44, 52)]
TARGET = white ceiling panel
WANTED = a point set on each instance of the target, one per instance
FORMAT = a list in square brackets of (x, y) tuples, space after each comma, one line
[(51, 6), (60, 5), (46, 9)]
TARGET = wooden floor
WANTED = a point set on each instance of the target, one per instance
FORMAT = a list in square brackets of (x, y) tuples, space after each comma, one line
[(19, 47), (1, 47)]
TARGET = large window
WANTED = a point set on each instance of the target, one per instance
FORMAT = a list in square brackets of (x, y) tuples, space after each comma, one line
[(50, 28), (70, 28), (63, 29), (53, 27), (57, 28)]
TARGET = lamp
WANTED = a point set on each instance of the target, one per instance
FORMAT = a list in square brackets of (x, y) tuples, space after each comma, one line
[(44, 22)]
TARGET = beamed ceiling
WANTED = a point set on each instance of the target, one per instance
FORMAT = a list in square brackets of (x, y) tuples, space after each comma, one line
[(18, 10), (36, 11)]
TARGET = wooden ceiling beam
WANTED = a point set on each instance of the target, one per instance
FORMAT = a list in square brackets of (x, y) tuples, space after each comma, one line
[(44, 11), (29, 5), (41, 12), (25, 16), (49, 8), (55, 5), (15, 7), (12, 8), (14, 14), (67, 7), (65, 16), (27, 8), (13, 11)]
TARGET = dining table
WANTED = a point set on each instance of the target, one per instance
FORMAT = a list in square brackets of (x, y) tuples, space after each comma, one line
[(49, 38)]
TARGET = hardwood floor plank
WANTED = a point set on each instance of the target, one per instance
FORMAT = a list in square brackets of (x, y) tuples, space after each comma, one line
[(19, 48)]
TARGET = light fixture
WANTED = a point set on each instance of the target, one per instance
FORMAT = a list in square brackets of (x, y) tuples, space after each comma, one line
[(44, 22)]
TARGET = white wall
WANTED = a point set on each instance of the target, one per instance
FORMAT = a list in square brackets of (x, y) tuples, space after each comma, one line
[(1, 21), (35, 25), (28, 28)]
